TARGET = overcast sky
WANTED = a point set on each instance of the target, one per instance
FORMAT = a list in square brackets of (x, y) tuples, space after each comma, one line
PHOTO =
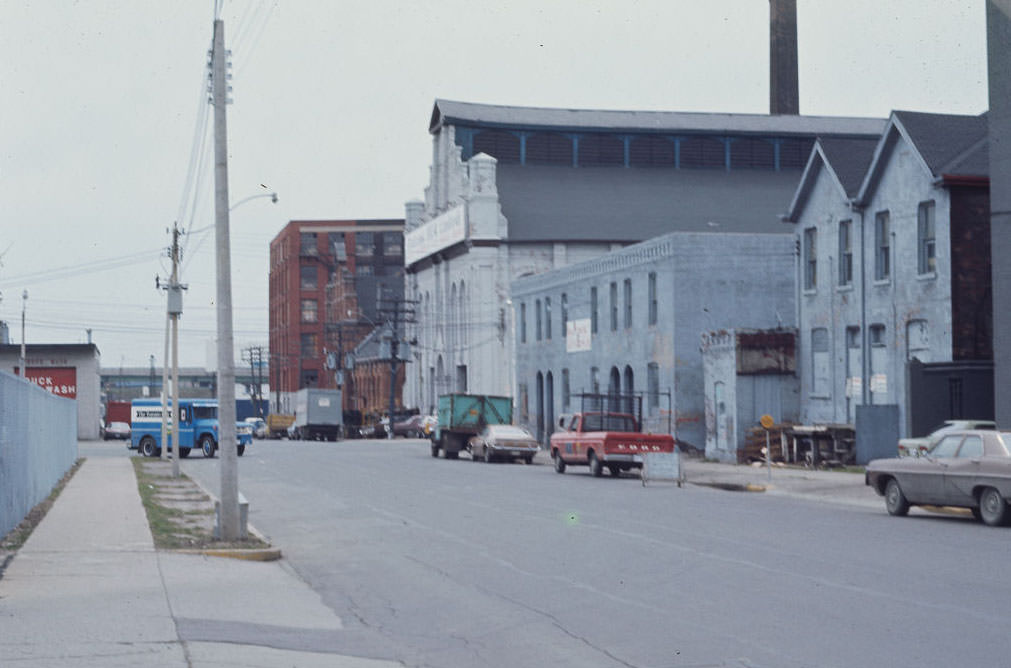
[(100, 100)]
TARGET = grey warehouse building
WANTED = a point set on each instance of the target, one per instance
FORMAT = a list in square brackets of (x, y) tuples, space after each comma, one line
[(518, 191), (632, 321)]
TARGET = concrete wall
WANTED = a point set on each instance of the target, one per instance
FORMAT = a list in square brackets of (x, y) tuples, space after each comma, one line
[(704, 282), (905, 300), (38, 444)]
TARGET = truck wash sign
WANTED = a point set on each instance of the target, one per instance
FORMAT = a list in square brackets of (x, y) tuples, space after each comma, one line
[(61, 381)]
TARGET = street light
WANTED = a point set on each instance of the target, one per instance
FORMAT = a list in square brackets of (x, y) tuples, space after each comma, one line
[(272, 196)]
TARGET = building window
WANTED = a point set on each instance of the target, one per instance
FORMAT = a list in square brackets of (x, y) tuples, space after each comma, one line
[(793, 153), (925, 237), (501, 145), (877, 335), (702, 153), (307, 242), (309, 345), (549, 148), (628, 303), (310, 310), (362, 269), (852, 337), (614, 306), (594, 380), (566, 394), (810, 258), (308, 280), (653, 387), (337, 247), (651, 151), (538, 317), (598, 149), (752, 153), (819, 362), (593, 310), (365, 244), (652, 298), (565, 316), (845, 252), (523, 322), (882, 254), (547, 318), (393, 243)]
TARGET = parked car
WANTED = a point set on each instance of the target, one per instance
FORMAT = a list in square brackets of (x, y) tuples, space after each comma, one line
[(914, 447), (968, 469), (411, 427), (503, 441), (259, 426), (117, 431)]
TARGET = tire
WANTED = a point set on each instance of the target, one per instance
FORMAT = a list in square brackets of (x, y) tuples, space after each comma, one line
[(184, 453), (488, 456), (895, 501), (453, 455), (976, 514), (529, 459), (559, 462), (993, 508), (596, 468), (435, 450), (207, 446), (148, 447), (614, 469), (240, 449)]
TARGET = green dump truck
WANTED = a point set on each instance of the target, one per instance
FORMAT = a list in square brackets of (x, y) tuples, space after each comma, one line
[(464, 415)]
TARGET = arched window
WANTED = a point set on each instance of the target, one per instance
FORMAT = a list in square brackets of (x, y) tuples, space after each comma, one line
[(597, 150), (549, 148), (702, 153), (650, 151), (501, 145)]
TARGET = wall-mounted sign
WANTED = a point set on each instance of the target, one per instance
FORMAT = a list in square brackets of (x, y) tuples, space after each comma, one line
[(438, 233), (61, 381), (577, 336)]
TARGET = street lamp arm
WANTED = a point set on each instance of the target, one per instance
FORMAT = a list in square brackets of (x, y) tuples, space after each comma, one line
[(272, 196)]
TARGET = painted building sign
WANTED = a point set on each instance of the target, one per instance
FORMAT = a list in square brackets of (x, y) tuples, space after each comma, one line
[(577, 336), (61, 381), (438, 233)]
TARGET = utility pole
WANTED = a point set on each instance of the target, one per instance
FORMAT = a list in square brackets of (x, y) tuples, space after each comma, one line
[(174, 309), (405, 308), (229, 517)]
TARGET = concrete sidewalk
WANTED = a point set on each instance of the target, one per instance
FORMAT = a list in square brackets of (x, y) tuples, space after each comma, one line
[(89, 589)]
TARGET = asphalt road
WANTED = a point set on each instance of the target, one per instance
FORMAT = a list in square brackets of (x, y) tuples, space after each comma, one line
[(460, 564)]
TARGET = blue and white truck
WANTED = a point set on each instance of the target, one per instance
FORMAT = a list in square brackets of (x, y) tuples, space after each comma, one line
[(198, 427)]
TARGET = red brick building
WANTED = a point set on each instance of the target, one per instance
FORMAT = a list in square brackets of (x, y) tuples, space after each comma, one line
[(328, 279)]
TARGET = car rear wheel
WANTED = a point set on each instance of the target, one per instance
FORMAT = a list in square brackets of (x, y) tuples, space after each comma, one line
[(992, 507), (895, 500), (596, 468), (148, 447), (184, 453), (559, 463)]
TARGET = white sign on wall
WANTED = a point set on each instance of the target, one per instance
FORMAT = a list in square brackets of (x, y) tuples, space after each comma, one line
[(577, 336), (438, 233)]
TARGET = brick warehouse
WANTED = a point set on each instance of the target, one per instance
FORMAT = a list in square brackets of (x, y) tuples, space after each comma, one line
[(328, 279)]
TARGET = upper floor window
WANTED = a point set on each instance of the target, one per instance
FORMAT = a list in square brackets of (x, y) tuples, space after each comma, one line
[(310, 310), (547, 318), (565, 315), (538, 327), (702, 152), (652, 298), (549, 148), (523, 322), (600, 149), (593, 310), (628, 303), (882, 247), (820, 369), (308, 277), (307, 241), (614, 306), (501, 145), (925, 237), (365, 244), (845, 252), (810, 258)]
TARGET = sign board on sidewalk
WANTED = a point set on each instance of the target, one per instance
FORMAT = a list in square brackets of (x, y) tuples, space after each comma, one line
[(662, 466)]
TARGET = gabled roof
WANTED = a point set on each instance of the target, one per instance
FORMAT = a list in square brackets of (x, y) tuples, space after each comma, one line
[(846, 160), (449, 112), (945, 145)]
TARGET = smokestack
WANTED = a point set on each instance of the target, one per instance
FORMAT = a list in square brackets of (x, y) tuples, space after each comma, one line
[(784, 95)]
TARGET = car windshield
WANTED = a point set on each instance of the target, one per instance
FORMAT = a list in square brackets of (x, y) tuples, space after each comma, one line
[(508, 431)]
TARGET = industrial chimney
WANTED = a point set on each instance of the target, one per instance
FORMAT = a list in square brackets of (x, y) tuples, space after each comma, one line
[(784, 95)]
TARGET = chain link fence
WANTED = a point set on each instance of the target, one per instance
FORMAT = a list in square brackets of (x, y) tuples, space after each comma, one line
[(38, 445)]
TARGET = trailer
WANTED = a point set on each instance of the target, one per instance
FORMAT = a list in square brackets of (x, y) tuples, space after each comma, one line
[(464, 415), (318, 414)]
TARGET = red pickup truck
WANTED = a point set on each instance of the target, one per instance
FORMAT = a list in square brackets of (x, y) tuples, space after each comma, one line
[(605, 440)]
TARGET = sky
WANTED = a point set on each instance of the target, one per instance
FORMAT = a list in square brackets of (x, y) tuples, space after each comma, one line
[(101, 104)]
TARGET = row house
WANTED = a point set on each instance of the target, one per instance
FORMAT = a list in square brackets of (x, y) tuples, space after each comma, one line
[(894, 272)]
